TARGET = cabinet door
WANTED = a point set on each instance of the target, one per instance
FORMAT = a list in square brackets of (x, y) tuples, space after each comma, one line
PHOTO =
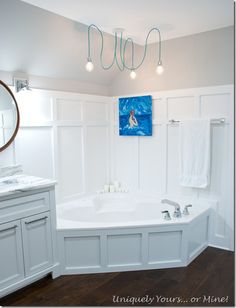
[(37, 242), (11, 254)]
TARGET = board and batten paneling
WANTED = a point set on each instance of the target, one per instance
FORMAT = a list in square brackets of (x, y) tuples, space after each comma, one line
[(74, 139), (81, 127), (151, 158), (151, 164), (63, 136), (70, 158), (97, 157), (33, 150)]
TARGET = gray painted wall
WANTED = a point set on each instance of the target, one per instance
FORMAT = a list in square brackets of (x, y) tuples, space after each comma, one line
[(204, 59), (52, 50), (42, 44), (58, 84)]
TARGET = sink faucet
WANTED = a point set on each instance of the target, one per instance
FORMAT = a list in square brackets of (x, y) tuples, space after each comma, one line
[(177, 212)]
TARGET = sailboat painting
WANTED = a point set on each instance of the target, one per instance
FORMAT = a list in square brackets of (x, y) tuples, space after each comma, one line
[(135, 116)]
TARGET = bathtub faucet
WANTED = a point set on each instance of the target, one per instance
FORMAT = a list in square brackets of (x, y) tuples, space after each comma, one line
[(177, 212)]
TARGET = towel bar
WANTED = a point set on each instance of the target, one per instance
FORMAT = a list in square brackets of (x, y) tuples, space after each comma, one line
[(213, 121)]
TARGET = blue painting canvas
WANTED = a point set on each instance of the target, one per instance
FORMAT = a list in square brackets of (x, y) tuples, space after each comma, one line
[(135, 116)]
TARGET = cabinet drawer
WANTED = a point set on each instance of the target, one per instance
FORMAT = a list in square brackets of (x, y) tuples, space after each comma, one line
[(18, 208)]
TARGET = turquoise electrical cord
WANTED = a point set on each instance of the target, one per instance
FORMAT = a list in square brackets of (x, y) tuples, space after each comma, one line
[(122, 52), (101, 52)]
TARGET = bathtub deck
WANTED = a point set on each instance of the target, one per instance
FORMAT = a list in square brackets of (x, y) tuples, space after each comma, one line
[(212, 273)]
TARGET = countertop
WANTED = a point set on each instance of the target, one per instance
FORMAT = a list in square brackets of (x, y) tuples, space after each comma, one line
[(22, 183)]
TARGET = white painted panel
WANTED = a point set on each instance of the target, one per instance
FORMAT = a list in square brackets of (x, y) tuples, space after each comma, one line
[(199, 232), (70, 161), (69, 110), (115, 107), (220, 221), (182, 107), (221, 176), (34, 107), (164, 246), (217, 105), (125, 151), (124, 249), (34, 151), (95, 111), (151, 158), (158, 109), (82, 252), (97, 160)]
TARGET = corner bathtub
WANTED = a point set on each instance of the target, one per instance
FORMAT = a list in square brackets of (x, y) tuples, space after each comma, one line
[(121, 232)]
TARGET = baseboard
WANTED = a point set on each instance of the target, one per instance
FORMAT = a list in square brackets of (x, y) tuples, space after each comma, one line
[(220, 247)]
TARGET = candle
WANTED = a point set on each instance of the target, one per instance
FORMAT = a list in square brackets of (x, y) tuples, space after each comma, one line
[(112, 188), (117, 186), (106, 188)]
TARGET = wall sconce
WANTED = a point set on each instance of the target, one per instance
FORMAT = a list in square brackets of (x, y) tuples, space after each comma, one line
[(21, 84)]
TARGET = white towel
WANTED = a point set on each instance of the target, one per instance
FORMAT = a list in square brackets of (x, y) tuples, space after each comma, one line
[(195, 153)]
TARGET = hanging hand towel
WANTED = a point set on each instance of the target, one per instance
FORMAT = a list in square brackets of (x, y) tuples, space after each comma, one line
[(195, 153)]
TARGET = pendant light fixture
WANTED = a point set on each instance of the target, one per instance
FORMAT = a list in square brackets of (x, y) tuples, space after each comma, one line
[(122, 62)]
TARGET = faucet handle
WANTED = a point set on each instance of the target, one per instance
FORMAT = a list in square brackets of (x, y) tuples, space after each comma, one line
[(185, 211), (167, 215)]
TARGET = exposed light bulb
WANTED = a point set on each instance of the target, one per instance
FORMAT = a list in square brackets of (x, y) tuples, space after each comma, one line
[(133, 75), (89, 65), (159, 68)]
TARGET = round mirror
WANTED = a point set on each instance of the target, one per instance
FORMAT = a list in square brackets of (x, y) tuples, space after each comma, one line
[(9, 116)]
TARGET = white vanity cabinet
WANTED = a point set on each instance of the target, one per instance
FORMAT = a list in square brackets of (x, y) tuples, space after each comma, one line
[(28, 248)]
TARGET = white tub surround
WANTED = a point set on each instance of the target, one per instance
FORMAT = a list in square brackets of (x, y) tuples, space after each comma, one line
[(27, 231), (121, 232)]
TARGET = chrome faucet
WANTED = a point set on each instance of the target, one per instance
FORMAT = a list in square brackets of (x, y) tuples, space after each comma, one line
[(177, 212), (167, 215)]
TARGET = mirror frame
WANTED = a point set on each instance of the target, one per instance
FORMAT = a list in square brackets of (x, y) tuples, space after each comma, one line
[(17, 114)]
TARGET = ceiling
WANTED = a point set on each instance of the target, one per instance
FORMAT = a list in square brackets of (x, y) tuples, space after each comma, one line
[(175, 18)]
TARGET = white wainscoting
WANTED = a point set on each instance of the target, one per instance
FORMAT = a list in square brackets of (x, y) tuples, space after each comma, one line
[(63, 136), (74, 139), (152, 163)]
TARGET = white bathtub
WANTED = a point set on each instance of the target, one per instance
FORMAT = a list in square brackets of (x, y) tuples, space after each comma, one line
[(117, 232)]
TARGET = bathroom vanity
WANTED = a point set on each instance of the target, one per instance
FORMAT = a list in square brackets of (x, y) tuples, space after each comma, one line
[(28, 249)]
